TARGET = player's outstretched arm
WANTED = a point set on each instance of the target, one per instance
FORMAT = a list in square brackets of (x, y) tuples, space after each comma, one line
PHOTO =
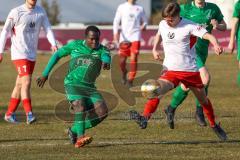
[(157, 41), (221, 26), (217, 48), (234, 25)]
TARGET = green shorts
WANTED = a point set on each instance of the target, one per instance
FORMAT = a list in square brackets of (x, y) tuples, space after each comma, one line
[(87, 93), (202, 54)]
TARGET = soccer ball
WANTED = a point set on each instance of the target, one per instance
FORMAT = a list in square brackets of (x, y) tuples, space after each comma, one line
[(150, 88)]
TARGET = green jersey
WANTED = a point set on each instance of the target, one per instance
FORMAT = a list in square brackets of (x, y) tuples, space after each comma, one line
[(236, 13), (202, 16), (85, 63)]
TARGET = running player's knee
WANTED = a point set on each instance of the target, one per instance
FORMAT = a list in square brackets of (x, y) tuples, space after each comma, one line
[(184, 88), (203, 101), (101, 110), (18, 85), (77, 106)]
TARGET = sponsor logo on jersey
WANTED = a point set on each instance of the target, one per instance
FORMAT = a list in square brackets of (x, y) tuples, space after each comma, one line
[(171, 35), (32, 25)]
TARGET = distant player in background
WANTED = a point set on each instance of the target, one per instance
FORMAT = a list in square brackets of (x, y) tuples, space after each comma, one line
[(88, 57), (179, 65), (132, 20), (209, 16), (235, 32), (24, 23)]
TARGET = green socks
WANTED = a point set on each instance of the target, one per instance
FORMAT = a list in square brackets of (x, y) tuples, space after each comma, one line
[(90, 123), (178, 97), (78, 126)]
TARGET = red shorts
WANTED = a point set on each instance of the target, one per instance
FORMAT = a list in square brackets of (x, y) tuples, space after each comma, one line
[(24, 67), (189, 79), (132, 47)]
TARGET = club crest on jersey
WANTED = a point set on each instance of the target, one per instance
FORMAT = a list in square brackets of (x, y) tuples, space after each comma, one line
[(171, 35), (32, 25), (131, 15)]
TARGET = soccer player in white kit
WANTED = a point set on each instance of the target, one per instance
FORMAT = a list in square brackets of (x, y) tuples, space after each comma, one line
[(130, 20), (179, 65), (24, 22)]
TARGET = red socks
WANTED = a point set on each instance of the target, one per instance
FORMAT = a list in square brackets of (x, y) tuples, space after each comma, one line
[(27, 105), (133, 70), (208, 110), (150, 107), (12, 106)]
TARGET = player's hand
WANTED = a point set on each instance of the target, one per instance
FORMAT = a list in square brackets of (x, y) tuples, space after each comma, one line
[(41, 81), (231, 47), (111, 46), (156, 55), (218, 49), (106, 66), (214, 23), (1, 57), (54, 48)]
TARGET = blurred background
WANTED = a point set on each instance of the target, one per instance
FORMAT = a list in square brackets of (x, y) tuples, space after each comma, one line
[(70, 17)]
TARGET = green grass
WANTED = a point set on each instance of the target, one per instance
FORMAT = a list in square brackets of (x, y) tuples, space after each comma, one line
[(117, 137)]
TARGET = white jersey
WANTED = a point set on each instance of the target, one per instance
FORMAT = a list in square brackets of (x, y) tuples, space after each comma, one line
[(130, 18), (176, 44), (25, 25)]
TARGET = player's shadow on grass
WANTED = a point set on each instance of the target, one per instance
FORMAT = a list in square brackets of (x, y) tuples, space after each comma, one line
[(110, 144), (31, 140)]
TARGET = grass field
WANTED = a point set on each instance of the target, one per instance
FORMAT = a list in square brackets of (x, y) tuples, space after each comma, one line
[(118, 137)]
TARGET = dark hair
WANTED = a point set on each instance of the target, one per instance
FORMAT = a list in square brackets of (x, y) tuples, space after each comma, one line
[(93, 29), (171, 10)]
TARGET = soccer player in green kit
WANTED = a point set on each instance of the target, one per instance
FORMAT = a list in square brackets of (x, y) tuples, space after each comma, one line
[(87, 58), (235, 32), (210, 17)]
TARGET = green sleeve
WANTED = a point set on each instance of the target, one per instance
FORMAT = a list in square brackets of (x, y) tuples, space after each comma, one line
[(105, 56), (218, 14), (51, 63), (182, 14), (236, 11), (62, 52)]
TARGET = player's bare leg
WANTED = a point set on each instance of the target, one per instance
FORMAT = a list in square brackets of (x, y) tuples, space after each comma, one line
[(96, 115), (205, 76), (26, 97), (14, 102), (133, 69), (122, 64)]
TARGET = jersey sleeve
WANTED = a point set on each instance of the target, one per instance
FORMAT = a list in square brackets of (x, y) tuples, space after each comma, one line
[(218, 14), (159, 29), (66, 49), (62, 52), (8, 26), (48, 30), (197, 30), (105, 56), (236, 11), (144, 17), (182, 10), (117, 20)]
